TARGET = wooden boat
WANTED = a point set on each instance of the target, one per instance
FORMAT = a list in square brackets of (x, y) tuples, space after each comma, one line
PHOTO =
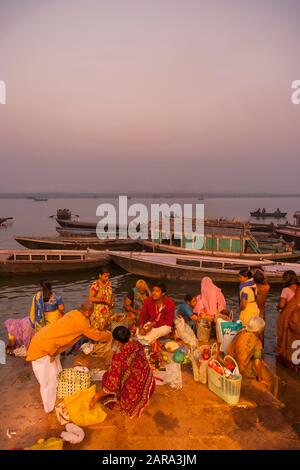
[(75, 232), (174, 267), (41, 261), (76, 224), (75, 243), (291, 233), (217, 241), (5, 219), (263, 214)]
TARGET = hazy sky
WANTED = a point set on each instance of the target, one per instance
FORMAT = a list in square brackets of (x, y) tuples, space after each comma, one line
[(116, 95)]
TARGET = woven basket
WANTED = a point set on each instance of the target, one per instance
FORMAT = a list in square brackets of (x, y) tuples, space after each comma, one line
[(119, 319), (71, 381)]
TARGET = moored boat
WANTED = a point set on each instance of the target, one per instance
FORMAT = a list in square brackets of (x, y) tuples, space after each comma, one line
[(4, 220), (291, 233), (75, 243), (216, 241), (193, 268), (41, 261), (76, 224)]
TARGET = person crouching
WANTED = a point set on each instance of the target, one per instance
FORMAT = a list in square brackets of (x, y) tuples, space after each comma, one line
[(55, 338)]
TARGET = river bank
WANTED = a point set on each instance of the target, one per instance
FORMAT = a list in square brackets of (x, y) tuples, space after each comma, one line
[(191, 418)]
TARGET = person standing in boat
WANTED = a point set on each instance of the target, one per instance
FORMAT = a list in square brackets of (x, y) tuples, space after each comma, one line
[(288, 326), (101, 295), (210, 301), (46, 307), (247, 296), (135, 299), (157, 315)]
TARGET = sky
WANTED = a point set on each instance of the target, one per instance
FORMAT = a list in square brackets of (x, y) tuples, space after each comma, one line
[(140, 95)]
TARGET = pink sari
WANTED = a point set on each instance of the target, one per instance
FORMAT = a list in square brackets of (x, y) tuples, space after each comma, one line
[(211, 298)]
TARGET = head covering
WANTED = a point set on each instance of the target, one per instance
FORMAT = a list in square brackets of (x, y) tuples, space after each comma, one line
[(143, 284), (255, 324), (211, 298)]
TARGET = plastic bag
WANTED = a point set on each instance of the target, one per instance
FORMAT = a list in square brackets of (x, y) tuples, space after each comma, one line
[(78, 407), (171, 376), (53, 443), (185, 332), (226, 331)]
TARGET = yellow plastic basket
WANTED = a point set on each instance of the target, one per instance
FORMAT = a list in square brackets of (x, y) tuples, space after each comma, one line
[(227, 390)]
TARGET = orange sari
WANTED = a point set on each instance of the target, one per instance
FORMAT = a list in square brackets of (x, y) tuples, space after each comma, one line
[(288, 331)]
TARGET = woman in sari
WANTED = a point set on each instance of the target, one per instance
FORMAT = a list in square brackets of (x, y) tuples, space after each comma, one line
[(101, 295), (211, 301), (290, 285), (247, 296), (135, 299), (246, 348), (46, 307), (288, 332), (129, 381)]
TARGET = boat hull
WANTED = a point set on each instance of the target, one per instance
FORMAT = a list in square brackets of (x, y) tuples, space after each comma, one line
[(75, 243), (168, 272), (290, 234), (161, 248), (23, 267), (76, 224)]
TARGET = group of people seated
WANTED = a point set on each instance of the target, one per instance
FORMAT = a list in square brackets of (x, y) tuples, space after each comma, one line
[(48, 332)]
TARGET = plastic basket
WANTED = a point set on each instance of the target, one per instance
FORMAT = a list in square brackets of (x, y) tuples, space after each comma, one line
[(227, 390)]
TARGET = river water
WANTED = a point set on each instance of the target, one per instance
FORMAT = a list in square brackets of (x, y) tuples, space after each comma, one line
[(32, 218)]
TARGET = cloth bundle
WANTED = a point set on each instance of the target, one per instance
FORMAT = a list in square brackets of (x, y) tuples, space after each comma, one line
[(73, 434)]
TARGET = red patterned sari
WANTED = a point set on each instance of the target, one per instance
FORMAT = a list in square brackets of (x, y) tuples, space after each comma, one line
[(129, 379)]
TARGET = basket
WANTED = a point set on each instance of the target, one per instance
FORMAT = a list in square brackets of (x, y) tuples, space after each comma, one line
[(71, 381), (227, 390), (119, 319), (203, 330), (200, 366)]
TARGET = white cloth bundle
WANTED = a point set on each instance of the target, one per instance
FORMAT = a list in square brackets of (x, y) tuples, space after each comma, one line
[(73, 434)]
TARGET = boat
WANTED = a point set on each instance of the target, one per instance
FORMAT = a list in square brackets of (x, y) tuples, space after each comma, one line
[(264, 214), (76, 224), (64, 214), (44, 262), (40, 199), (4, 220), (291, 232), (217, 241), (75, 232), (75, 243), (173, 267)]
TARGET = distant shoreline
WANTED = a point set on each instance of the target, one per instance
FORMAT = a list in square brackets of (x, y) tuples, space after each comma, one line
[(113, 195)]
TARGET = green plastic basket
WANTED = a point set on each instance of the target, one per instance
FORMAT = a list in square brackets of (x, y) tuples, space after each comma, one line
[(227, 390)]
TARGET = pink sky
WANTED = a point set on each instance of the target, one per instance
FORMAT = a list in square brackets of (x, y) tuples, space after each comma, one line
[(149, 95)]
